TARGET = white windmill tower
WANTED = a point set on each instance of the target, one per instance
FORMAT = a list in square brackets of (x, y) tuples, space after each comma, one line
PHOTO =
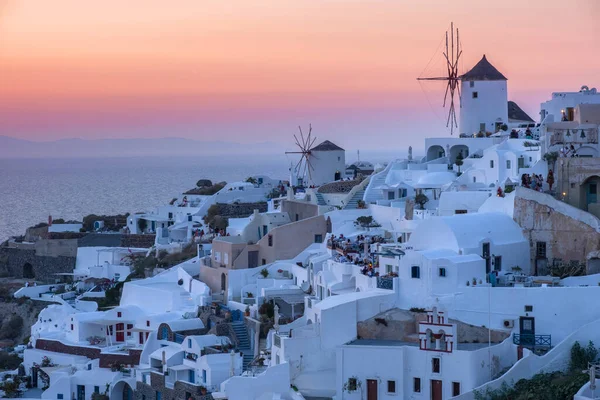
[(318, 165), (303, 169)]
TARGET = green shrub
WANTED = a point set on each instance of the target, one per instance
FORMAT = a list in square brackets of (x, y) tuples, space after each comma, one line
[(9, 361), (12, 329)]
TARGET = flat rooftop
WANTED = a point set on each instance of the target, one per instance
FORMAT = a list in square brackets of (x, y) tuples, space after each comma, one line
[(400, 343)]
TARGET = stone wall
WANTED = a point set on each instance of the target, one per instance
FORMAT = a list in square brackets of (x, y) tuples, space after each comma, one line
[(569, 234), (180, 391), (58, 347), (138, 241), (132, 358), (241, 210), (106, 359), (403, 325), (16, 262), (571, 175)]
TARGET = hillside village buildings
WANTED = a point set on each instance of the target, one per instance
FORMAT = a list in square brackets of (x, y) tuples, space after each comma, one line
[(427, 278)]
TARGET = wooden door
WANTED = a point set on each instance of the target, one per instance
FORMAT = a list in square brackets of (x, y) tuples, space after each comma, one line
[(120, 328), (527, 331), (436, 389), (371, 389)]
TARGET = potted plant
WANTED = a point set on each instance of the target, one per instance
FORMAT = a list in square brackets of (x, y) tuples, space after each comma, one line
[(264, 272), (247, 312), (474, 281), (468, 283), (249, 295), (203, 390), (516, 269)]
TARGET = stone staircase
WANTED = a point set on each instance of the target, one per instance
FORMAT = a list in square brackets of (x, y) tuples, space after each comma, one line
[(244, 345), (372, 195), (353, 202), (320, 200)]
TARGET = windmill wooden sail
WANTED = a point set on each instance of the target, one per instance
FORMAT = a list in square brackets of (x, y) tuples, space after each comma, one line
[(305, 145), (451, 54)]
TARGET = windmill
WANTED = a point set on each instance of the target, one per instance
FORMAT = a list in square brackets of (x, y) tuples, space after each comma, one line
[(452, 55), (305, 143)]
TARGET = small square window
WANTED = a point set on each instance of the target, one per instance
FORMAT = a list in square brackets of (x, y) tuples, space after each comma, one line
[(442, 272), (96, 389), (507, 164), (435, 365), (455, 389), (415, 272), (391, 386), (417, 385), (471, 83), (147, 323), (119, 314), (475, 95), (59, 396), (528, 308), (318, 238)]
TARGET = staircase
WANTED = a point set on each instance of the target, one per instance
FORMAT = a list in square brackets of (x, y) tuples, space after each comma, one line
[(244, 345), (353, 202), (320, 200), (372, 195)]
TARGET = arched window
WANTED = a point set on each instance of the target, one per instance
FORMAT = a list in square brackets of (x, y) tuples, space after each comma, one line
[(164, 333)]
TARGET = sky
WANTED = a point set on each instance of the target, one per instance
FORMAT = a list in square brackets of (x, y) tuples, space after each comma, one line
[(248, 71)]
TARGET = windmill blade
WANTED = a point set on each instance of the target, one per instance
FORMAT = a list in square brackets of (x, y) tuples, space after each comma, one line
[(297, 142), (446, 94), (312, 143), (302, 137)]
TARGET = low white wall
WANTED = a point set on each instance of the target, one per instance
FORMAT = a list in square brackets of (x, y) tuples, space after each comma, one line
[(555, 360), (480, 305), (275, 379)]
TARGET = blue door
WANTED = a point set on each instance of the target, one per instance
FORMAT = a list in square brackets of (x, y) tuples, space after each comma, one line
[(80, 392), (192, 376), (592, 193)]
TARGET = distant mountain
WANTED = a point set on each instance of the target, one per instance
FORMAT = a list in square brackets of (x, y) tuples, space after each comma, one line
[(76, 148)]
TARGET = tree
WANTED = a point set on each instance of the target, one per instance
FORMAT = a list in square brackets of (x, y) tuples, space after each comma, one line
[(366, 222), (251, 180), (421, 200), (142, 224), (204, 183), (459, 161)]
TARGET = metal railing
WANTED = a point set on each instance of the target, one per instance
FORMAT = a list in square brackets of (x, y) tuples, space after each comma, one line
[(530, 340), (385, 282)]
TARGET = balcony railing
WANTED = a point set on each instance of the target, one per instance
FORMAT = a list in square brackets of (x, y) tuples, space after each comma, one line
[(529, 340), (385, 282)]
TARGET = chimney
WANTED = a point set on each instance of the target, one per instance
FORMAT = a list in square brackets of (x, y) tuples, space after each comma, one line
[(255, 213)]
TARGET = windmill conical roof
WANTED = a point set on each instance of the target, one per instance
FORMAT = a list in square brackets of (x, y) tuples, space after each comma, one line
[(326, 146), (483, 71)]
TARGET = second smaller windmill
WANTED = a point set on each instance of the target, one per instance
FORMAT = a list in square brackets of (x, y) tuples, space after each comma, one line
[(304, 166)]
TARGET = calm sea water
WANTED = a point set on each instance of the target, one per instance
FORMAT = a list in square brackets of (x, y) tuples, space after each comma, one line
[(32, 189)]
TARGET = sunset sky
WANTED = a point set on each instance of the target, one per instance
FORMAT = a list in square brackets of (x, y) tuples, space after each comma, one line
[(254, 70)]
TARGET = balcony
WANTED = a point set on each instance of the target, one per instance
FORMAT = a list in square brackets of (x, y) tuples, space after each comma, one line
[(574, 136), (532, 341)]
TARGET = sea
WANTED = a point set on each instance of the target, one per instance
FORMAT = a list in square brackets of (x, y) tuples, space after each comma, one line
[(33, 189)]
